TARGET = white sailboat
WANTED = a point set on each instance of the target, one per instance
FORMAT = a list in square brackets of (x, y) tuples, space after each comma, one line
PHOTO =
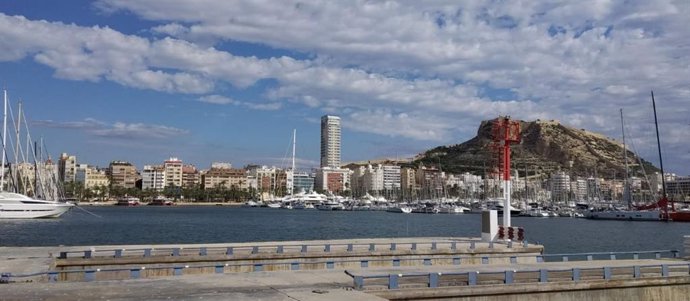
[(18, 206)]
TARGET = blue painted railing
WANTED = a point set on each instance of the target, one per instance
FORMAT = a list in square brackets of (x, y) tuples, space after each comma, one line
[(178, 269), (286, 248), (433, 279)]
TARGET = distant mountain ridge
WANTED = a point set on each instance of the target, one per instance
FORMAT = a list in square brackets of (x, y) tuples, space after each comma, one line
[(546, 146)]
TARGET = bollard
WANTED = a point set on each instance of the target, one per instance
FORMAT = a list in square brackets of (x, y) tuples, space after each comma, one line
[(508, 278), (433, 279), (393, 281), (229, 251)]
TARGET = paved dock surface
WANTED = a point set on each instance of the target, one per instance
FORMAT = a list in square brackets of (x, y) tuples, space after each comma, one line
[(298, 285)]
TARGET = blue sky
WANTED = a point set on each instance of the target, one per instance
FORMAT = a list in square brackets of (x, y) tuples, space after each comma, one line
[(228, 80)]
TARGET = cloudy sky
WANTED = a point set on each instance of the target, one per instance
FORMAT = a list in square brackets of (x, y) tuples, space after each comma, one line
[(227, 81)]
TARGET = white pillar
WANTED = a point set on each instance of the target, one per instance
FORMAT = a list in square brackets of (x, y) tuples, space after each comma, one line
[(489, 225), (506, 203)]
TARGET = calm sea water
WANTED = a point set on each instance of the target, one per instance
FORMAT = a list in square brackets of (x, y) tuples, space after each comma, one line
[(222, 224)]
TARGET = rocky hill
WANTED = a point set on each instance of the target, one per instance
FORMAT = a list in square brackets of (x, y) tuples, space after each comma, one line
[(546, 146)]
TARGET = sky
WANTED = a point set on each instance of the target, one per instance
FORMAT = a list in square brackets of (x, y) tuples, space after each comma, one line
[(227, 81)]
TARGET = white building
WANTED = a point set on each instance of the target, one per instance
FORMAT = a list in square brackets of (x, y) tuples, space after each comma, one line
[(91, 177), (67, 168), (153, 177), (391, 177), (330, 141), (173, 172)]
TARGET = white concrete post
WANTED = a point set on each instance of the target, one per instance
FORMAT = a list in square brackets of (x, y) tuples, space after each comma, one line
[(506, 203), (489, 225)]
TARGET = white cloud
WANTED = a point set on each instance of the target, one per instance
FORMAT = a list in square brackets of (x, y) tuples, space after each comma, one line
[(117, 130)]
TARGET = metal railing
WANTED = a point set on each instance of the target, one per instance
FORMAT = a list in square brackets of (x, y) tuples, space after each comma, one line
[(231, 250), (179, 269), (473, 278)]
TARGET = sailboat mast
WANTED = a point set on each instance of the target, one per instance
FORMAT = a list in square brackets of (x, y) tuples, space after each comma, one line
[(294, 146), (4, 141), (626, 186), (16, 146), (658, 144)]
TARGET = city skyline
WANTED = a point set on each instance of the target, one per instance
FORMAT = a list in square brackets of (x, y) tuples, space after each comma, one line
[(121, 80)]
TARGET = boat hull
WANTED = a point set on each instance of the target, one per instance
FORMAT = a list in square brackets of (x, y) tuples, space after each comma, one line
[(23, 211), (653, 215)]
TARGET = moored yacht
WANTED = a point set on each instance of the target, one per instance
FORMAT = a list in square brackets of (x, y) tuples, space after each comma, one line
[(15, 205)]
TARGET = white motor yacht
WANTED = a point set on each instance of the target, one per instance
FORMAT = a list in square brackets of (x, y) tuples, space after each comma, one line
[(15, 205)]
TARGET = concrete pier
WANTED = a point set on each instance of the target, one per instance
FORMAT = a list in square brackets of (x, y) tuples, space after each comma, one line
[(357, 269)]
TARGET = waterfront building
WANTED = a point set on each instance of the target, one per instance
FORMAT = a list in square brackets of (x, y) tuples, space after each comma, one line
[(284, 181), (122, 174), (330, 141), (173, 172), (190, 176), (303, 182), (265, 179), (153, 177), (334, 180), (579, 189), (559, 183), (222, 176), (91, 177), (391, 177), (430, 181), (67, 168), (679, 188), (408, 184)]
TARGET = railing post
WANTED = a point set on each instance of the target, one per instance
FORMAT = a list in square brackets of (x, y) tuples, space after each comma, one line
[(372, 247), (63, 255), (229, 251), (607, 273), (453, 246), (491, 245), (664, 270), (147, 252), (327, 248), (576, 274), (657, 255), (636, 256), (258, 267), (543, 275), (118, 253), (349, 247), (636, 271), (414, 246), (396, 262), (294, 266), (613, 256), (508, 278), (393, 246), (485, 260), (279, 249), (364, 263), (433, 245), (255, 249), (472, 245), (525, 244), (304, 249), (472, 278), (134, 273), (203, 251), (89, 275), (565, 258), (330, 265), (87, 254), (513, 259), (427, 261), (675, 254), (510, 244), (456, 260), (393, 281), (540, 258), (433, 279), (220, 269), (52, 276), (176, 252), (359, 282), (590, 257)]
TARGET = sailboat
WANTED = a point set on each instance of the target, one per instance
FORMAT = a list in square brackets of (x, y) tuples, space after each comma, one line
[(18, 206)]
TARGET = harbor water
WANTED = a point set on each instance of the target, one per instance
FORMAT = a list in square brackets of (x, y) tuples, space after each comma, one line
[(225, 224)]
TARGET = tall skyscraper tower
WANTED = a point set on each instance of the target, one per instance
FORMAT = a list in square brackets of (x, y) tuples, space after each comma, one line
[(330, 141)]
